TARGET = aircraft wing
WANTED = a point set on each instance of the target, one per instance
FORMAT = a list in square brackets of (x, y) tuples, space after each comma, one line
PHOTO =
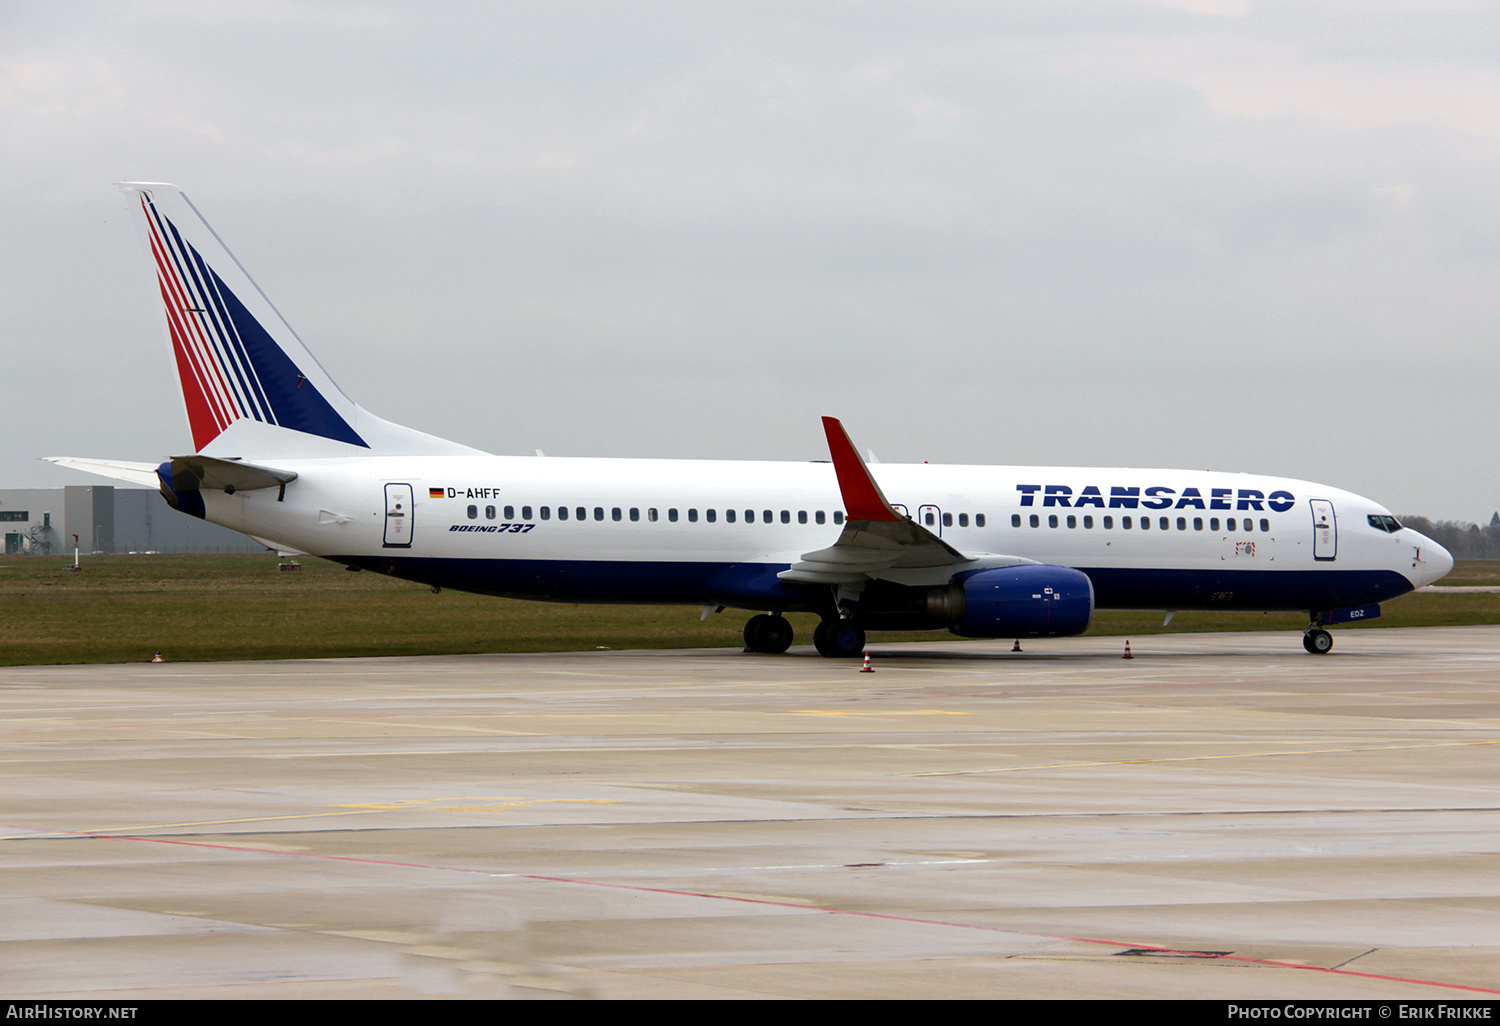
[(878, 542)]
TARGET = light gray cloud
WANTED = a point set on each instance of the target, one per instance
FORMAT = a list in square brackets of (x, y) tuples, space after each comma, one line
[(1238, 235)]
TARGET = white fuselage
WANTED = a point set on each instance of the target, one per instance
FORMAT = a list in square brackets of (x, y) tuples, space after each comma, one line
[(620, 530)]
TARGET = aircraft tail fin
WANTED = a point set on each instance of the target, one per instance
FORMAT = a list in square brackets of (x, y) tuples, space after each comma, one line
[(249, 384)]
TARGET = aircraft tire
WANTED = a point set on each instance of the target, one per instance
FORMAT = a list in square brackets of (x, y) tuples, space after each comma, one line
[(766, 633), (752, 626), (1318, 642), (839, 639)]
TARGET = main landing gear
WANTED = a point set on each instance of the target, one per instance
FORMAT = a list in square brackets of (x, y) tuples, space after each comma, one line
[(834, 637), (768, 633), (839, 639)]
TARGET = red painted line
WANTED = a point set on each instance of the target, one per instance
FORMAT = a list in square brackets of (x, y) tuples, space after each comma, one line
[(811, 908)]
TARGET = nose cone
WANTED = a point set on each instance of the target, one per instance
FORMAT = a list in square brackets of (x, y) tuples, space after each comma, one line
[(1430, 561)]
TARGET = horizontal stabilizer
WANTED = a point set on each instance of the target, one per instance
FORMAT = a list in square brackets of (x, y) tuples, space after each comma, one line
[(200, 472), (143, 474)]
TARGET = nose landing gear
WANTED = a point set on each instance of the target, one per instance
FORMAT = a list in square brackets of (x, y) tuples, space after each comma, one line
[(1316, 640)]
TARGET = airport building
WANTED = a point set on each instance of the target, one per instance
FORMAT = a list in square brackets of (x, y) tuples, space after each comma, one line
[(43, 521)]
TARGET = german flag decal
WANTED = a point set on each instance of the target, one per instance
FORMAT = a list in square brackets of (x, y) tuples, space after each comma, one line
[(435, 493)]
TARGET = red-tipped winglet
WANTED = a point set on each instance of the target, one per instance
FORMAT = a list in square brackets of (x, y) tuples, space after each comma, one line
[(863, 499)]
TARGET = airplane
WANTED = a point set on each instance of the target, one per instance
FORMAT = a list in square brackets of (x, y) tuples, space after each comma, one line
[(280, 453)]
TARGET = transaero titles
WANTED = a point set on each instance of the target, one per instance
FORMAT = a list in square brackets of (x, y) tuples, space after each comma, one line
[(1156, 497)]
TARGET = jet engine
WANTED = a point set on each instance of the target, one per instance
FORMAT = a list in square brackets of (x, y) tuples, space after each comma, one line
[(1027, 601)]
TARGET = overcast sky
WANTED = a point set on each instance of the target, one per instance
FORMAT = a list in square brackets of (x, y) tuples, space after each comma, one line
[(1233, 236)]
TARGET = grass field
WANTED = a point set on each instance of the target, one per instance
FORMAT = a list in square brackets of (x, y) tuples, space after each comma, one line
[(125, 608)]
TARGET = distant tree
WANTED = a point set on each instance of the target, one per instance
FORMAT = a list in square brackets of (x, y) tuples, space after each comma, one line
[(1464, 540)]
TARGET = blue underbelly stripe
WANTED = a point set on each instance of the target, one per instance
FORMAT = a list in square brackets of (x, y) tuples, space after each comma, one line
[(755, 585)]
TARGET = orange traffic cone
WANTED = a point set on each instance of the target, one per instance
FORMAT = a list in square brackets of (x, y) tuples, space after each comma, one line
[(157, 658), (1017, 646), (867, 667), (1127, 650)]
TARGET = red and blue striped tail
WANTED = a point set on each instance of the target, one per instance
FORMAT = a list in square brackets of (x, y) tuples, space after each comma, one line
[(237, 358)]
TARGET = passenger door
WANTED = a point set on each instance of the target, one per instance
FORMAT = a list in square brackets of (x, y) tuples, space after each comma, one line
[(398, 519), (1325, 530)]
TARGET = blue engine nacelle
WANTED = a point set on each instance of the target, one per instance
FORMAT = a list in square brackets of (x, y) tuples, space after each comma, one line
[(1028, 601)]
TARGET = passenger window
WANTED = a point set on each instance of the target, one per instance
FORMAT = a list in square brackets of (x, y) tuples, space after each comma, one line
[(1052, 520), (929, 519), (1230, 523), (947, 519), (598, 513), (1165, 524), (1088, 523), (473, 512), (1036, 521), (616, 513), (1109, 523), (838, 516), (692, 516), (749, 516), (525, 512), (1197, 523), (820, 517), (1145, 523), (581, 513), (786, 516), (651, 514), (635, 514), (729, 516), (1125, 523), (510, 512), (711, 515), (802, 516), (1072, 522), (1182, 523), (963, 520), (1015, 520), (489, 512), (1265, 525), (546, 512), (1249, 524), (978, 519), (1213, 523), (562, 512), (766, 516), (672, 515)]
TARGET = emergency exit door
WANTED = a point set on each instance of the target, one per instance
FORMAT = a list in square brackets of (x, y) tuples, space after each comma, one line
[(1325, 530), (398, 511), (931, 518)]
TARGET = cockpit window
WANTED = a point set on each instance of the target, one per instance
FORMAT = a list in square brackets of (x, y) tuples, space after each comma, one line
[(1390, 525)]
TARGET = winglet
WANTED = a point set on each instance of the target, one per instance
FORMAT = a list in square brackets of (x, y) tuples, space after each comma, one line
[(863, 499)]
